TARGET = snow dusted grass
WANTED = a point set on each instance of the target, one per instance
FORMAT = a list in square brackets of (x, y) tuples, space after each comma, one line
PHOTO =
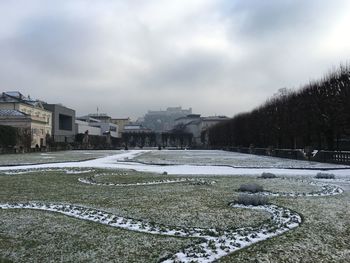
[(36, 236), (28, 235), (172, 204), (213, 243), (61, 156), (233, 159), (133, 178), (176, 205), (324, 235)]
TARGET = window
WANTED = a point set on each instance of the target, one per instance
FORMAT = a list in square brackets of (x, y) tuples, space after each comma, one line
[(65, 122)]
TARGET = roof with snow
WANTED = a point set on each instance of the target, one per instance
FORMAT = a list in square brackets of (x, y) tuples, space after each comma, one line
[(189, 116), (88, 118), (136, 128), (215, 118), (5, 112), (16, 96)]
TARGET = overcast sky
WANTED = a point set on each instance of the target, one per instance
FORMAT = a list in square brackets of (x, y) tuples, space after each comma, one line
[(126, 57)]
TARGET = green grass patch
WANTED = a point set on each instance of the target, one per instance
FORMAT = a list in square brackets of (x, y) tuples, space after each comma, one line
[(36, 236)]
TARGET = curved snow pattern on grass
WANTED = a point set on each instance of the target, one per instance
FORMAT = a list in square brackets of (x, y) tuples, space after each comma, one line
[(214, 243), (91, 180), (167, 181), (326, 190)]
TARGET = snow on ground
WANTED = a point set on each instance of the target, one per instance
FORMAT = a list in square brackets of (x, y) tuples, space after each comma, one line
[(50, 157), (91, 180), (215, 244), (123, 160), (226, 158)]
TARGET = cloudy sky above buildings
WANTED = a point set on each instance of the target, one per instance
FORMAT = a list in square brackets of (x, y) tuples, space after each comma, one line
[(126, 57)]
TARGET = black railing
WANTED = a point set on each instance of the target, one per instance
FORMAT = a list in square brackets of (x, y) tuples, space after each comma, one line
[(321, 156), (332, 157)]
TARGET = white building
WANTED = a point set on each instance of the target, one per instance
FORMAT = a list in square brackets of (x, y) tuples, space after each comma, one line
[(96, 126), (195, 124), (83, 127), (160, 121)]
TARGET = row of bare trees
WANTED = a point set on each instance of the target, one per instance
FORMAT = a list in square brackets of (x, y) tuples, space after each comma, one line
[(318, 115), (139, 139), (177, 137)]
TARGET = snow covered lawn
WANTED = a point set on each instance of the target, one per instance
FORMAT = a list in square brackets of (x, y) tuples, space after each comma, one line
[(233, 159), (186, 198), (51, 157)]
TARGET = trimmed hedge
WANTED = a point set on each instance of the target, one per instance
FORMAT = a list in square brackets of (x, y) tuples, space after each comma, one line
[(325, 176), (245, 199), (252, 188)]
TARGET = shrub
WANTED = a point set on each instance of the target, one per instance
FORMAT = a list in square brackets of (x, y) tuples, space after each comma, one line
[(165, 173), (246, 199), (8, 136), (325, 176), (252, 188), (268, 176)]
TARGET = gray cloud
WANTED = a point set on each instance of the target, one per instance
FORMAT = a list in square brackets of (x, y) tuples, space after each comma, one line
[(218, 57), (53, 46), (274, 18)]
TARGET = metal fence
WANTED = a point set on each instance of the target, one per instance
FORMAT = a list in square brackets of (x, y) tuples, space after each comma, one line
[(339, 157), (332, 157)]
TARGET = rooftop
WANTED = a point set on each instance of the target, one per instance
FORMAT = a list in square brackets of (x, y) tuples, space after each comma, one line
[(220, 117), (16, 96), (122, 119), (88, 118), (96, 115), (189, 116), (5, 112)]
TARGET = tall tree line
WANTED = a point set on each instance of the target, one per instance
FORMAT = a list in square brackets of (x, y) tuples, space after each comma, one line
[(317, 115)]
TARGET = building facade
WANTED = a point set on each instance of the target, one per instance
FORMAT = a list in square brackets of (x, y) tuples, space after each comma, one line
[(198, 126), (40, 123), (63, 123), (121, 123), (81, 127), (160, 121), (102, 122)]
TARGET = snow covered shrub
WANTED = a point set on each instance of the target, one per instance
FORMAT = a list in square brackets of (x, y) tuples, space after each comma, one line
[(325, 176), (268, 175), (252, 188), (246, 199)]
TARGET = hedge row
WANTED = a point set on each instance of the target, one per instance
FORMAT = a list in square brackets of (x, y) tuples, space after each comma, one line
[(317, 115)]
